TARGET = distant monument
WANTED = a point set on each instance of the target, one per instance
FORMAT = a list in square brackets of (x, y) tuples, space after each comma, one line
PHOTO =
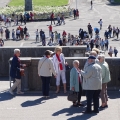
[(28, 5)]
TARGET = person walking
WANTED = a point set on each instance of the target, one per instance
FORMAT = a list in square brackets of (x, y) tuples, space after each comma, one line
[(105, 79), (52, 37), (110, 51), (106, 44), (24, 19), (50, 30), (13, 34), (91, 3), (41, 32), (21, 19), (100, 22), (92, 44), (115, 51), (102, 44), (76, 82), (37, 35), (16, 72), (52, 18), (1, 32), (25, 32), (74, 13), (114, 31), (59, 64), (18, 33), (45, 70), (106, 34), (43, 39), (7, 34), (92, 83), (117, 32)]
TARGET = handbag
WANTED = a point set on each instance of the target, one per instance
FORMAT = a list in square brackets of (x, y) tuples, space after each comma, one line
[(72, 96)]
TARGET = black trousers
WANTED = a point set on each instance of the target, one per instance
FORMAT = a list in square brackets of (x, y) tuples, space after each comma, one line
[(45, 85), (79, 93), (52, 20), (117, 34), (93, 95), (106, 46)]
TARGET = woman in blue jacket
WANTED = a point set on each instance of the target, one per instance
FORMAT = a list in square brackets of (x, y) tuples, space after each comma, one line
[(76, 82)]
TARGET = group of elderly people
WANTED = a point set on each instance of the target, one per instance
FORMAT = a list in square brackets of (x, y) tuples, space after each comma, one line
[(93, 78)]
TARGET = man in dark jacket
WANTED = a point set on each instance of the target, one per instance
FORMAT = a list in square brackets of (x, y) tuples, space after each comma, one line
[(16, 72)]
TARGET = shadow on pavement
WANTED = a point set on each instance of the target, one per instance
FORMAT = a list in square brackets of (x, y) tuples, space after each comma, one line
[(114, 94), (71, 110), (74, 110), (4, 96), (82, 117), (39, 101)]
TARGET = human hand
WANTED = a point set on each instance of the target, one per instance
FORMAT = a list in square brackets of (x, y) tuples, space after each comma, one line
[(73, 89), (22, 70)]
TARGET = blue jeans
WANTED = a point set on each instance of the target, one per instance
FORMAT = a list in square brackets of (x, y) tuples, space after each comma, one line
[(45, 85), (93, 95)]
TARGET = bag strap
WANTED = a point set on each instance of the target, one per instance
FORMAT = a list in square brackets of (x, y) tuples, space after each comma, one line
[(43, 62)]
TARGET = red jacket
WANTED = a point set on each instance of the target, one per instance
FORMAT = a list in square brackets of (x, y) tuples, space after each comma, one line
[(50, 28), (64, 33)]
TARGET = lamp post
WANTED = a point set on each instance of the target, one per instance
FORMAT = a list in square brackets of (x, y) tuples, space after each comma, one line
[(76, 4)]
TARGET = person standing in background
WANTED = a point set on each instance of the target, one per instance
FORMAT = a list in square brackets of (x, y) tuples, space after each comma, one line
[(50, 30), (115, 51), (37, 35), (100, 22), (91, 3)]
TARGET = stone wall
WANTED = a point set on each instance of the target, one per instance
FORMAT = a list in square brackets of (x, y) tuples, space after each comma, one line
[(7, 52), (33, 82)]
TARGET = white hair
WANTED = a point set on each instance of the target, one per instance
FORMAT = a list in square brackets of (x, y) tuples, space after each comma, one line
[(16, 51), (101, 56), (75, 61)]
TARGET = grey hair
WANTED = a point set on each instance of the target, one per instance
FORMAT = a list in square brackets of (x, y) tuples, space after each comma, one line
[(76, 61), (101, 56), (16, 51)]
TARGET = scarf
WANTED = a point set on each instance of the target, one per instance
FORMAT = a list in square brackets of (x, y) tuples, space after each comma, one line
[(60, 64)]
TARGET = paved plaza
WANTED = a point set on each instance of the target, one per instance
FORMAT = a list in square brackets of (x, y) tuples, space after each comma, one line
[(32, 106), (101, 9)]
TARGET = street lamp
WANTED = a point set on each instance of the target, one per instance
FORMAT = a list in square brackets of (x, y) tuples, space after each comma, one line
[(76, 4)]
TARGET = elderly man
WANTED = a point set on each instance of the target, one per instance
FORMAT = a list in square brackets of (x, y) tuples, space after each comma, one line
[(16, 72), (105, 79), (92, 53), (92, 83)]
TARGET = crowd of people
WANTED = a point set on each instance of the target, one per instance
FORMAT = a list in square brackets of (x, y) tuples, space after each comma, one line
[(93, 78)]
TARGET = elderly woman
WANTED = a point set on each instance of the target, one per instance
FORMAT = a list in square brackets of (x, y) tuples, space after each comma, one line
[(59, 64), (45, 70), (105, 79), (76, 82)]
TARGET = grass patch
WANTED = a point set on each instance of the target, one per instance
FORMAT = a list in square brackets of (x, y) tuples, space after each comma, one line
[(40, 2)]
